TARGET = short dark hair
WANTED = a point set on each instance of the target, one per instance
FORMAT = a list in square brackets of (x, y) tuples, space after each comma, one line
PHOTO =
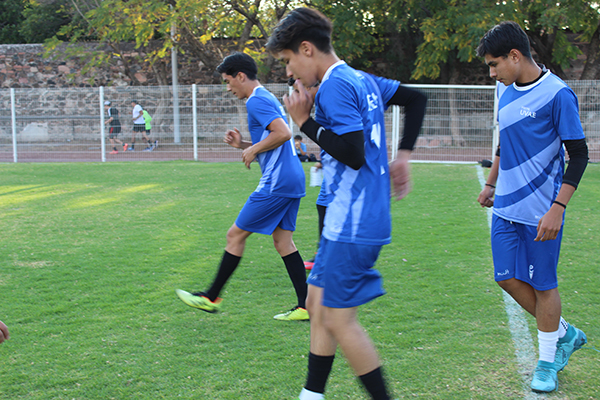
[(238, 62), (502, 38), (297, 137), (301, 24)]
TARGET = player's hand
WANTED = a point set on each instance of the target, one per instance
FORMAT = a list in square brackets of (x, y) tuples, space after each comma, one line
[(299, 103), (486, 197), (4, 335), (549, 225), (400, 174), (233, 138), (248, 155)]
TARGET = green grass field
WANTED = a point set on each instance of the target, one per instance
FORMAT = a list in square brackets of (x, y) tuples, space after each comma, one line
[(91, 255)]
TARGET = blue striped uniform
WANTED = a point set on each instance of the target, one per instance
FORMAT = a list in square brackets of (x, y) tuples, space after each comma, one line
[(282, 172), (359, 210), (534, 120), (357, 221)]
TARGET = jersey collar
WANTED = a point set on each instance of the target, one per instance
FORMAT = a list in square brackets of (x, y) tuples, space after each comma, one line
[(545, 74), (330, 70), (253, 92)]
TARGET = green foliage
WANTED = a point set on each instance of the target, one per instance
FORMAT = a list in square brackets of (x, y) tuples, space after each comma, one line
[(43, 20), (455, 27), (10, 19), (358, 27), (418, 38)]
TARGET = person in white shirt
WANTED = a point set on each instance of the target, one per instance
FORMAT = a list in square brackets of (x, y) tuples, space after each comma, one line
[(139, 125)]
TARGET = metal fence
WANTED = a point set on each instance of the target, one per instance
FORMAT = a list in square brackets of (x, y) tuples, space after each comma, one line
[(46, 125)]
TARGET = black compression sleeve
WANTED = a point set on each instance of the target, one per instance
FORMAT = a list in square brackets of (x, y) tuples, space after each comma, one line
[(348, 148), (414, 103), (578, 159)]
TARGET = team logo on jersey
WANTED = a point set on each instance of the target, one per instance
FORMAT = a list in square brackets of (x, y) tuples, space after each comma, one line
[(372, 100), (526, 112), (531, 272)]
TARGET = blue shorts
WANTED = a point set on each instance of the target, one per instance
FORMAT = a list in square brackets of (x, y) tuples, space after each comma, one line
[(345, 273), (516, 255), (263, 213)]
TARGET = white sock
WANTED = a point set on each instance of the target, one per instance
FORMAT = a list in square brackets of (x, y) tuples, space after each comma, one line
[(547, 345), (562, 328), (308, 395)]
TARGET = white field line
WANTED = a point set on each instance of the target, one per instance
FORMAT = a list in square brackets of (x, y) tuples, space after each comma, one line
[(519, 328)]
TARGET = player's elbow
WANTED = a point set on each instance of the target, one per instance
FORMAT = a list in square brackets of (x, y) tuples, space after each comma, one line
[(356, 163)]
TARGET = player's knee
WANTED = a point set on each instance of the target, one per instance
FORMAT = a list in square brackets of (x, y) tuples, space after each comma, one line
[(277, 245), (233, 236), (284, 247)]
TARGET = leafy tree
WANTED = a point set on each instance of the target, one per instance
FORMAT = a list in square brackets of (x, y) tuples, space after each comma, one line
[(451, 30), (10, 19), (43, 20), (203, 27), (369, 31)]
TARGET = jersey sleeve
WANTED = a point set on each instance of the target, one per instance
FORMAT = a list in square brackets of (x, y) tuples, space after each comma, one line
[(339, 101), (262, 111), (387, 87), (565, 115)]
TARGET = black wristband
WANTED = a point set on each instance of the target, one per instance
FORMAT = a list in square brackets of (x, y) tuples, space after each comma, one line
[(560, 204), (490, 185)]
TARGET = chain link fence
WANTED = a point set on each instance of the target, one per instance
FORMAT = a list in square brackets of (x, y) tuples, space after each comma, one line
[(62, 125)]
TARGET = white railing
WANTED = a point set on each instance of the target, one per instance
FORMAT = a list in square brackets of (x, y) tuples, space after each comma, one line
[(44, 124)]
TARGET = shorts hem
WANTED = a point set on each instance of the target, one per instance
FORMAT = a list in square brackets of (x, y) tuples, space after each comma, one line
[(353, 303)]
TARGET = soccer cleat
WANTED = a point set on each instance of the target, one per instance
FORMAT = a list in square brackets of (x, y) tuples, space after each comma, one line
[(125, 146), (147, 149), (544, 378), (199, 300), (567, 345), (309, 264), (114, 152), (295, 314)]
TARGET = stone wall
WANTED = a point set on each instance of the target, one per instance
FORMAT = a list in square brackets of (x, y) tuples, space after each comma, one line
[(24, 66)]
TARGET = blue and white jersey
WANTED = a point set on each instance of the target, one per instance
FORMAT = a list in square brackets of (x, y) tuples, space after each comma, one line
[(324, 197), (359, 210), (282, 172), (534, 120)]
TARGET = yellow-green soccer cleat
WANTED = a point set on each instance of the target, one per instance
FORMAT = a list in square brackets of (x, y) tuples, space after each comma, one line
[(295, 314), (199, 300)]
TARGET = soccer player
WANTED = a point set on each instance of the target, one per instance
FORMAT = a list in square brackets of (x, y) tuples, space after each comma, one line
[(349, 126), (273, 207), (529, 189)]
